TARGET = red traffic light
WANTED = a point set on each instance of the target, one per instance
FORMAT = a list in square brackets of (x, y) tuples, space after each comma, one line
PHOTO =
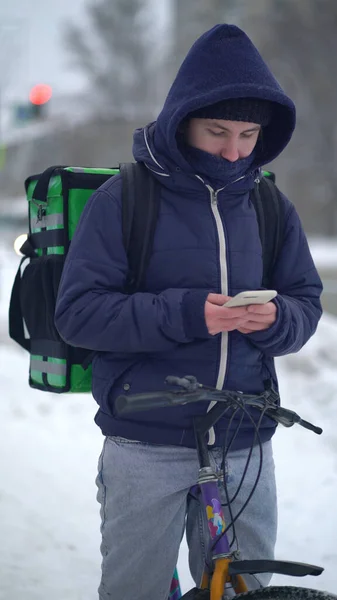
[(40, 94)]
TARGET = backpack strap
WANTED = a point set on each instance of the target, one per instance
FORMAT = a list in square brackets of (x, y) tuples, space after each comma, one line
[(269, 209), (41, 189), (15, 320), (140, 209)]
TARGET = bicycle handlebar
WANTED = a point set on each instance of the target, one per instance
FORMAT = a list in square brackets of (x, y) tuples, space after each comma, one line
[(195, 392), (139, 402)]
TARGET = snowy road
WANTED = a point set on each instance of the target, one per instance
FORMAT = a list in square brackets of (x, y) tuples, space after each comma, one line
[(49, 522)]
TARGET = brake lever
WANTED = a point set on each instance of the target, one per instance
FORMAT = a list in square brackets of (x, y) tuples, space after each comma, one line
[(288, 418), (188, 383)]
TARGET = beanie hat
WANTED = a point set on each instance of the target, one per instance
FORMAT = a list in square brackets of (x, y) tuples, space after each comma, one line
[(250, 110)]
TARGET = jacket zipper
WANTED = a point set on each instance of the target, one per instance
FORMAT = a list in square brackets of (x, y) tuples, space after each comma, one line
[(223, 280), (224, 290)]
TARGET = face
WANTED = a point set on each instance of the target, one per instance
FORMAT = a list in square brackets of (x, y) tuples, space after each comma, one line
[(227, 139)]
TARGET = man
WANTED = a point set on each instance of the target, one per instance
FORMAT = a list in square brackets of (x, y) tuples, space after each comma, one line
[(225, 116)]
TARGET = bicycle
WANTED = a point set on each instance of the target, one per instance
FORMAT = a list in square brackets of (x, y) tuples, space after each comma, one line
[(225, 572)]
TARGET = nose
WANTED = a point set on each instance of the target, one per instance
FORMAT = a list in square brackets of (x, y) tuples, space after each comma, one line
[(230, 151)]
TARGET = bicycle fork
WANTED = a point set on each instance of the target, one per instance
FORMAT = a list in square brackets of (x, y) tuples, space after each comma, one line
[(221, 553)]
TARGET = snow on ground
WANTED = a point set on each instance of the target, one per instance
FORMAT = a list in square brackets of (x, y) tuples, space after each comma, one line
[(324, 252), (49, 446)]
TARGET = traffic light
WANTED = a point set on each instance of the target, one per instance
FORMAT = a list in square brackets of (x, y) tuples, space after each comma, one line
[(35, 108), (39, 96)]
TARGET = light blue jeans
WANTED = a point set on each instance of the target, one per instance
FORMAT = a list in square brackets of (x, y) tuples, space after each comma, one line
[(144, 493)]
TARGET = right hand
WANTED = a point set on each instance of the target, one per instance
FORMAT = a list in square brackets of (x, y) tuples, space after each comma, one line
[(219, 318)]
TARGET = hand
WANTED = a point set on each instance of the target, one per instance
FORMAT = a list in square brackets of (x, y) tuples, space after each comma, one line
[(219, 318), (261, 316)]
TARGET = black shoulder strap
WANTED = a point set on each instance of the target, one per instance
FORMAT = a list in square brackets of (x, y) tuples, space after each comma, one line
[(140, 208), (41, 189), (15, 320), (267, 202)]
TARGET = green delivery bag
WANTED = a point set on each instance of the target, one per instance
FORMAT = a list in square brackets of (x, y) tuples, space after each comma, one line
[(56, 199)]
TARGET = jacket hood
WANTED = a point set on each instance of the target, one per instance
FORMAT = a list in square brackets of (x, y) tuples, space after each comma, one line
[(223, 63)]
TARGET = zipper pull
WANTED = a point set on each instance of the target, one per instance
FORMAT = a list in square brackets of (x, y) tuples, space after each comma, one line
[(214, 197), (257, 179), (41, 212)]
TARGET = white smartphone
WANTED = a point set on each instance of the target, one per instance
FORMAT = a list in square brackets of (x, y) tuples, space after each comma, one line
[(251, 297)]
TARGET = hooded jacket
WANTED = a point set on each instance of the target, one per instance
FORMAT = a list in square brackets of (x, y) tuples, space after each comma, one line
[(206, 240)]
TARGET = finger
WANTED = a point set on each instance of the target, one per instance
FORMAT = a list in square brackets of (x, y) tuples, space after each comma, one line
[(244, 330), (224, 314), (234, 312), (253, 326), (222, 325), (218, 299), (262, 309), (257, 318)]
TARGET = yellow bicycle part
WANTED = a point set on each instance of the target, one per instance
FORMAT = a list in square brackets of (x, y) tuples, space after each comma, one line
[(220, 577), (205, 581)]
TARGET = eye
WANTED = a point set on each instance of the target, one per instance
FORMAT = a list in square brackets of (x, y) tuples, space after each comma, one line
[(248, 135), (215, 133)]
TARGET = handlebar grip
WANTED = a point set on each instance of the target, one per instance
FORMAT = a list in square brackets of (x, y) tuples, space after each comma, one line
[(139, 402), (288, 418), (311, 427)]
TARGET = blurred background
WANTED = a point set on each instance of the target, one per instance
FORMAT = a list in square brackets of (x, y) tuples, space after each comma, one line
[(76, 78)]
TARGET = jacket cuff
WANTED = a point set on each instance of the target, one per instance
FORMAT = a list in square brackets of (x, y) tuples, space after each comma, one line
[(193, 313)]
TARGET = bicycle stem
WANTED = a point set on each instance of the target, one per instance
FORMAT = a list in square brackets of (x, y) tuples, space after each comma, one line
[(202, 425)]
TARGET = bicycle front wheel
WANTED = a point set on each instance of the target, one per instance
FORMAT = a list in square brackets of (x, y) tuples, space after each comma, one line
[(286, 593)]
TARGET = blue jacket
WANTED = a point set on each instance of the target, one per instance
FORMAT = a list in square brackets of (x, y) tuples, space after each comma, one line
[(204, 242)]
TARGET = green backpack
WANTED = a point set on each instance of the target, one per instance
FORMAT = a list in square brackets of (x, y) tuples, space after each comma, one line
[(56, 199)]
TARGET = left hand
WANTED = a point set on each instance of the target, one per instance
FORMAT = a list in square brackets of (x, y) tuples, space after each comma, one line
[(261, 316)]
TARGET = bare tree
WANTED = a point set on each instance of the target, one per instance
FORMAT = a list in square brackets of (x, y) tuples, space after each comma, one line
[(301, 45), (192, 18), (117, 54)]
